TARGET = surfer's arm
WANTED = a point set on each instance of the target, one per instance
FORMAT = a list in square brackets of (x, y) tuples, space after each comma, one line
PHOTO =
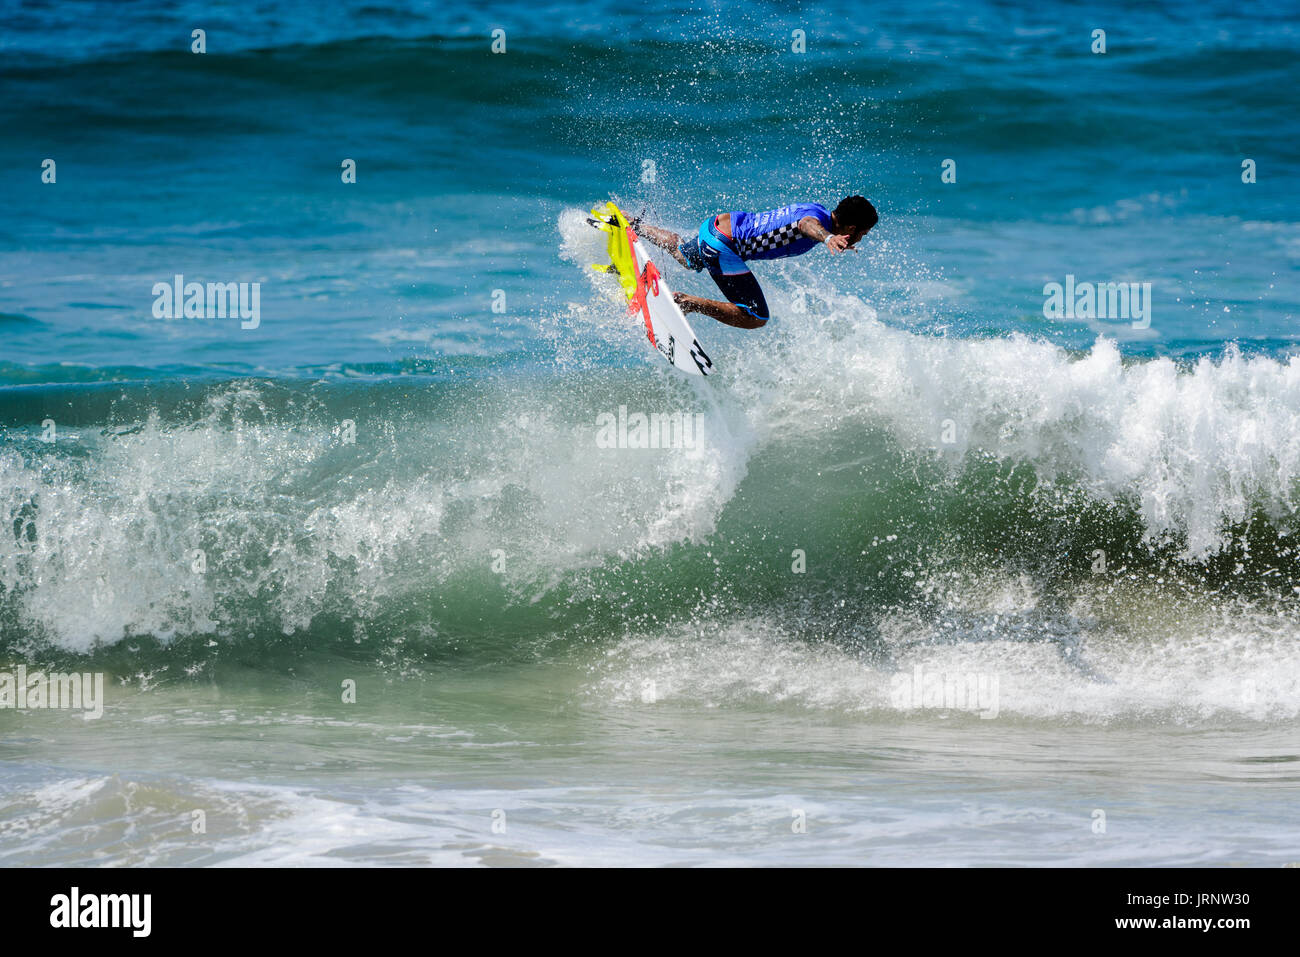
[(813, 229)]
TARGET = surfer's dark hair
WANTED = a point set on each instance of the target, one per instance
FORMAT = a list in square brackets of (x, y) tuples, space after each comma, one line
[(856, 211)]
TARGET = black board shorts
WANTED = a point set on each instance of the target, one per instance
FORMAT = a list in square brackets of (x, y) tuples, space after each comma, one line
[(741, 289)]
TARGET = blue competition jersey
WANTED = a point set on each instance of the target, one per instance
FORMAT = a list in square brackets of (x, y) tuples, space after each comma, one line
[(775, 233)]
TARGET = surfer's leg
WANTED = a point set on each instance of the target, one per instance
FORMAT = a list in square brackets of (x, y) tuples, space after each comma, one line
[(745, 293), (747, 308), (666, 239), (725, 312)]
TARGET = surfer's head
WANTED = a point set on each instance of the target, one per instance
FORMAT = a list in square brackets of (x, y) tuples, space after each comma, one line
[(854, 217)]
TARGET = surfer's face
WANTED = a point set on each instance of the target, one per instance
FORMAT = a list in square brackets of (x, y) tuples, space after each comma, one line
[(855, 235)]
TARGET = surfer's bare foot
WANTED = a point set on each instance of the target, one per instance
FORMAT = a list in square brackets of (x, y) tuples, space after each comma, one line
[(684, 301)]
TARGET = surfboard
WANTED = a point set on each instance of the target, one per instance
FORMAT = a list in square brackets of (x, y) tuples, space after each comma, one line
[(648, 294)]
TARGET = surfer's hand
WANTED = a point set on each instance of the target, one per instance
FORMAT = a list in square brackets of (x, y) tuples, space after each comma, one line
[(683, 301), (836, 242)]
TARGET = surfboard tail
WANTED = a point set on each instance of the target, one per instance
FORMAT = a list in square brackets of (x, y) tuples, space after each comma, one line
[(647, 292)]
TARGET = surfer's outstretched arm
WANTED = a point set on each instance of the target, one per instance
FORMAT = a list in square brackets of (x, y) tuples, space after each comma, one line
[(835, 242), (665, 239)]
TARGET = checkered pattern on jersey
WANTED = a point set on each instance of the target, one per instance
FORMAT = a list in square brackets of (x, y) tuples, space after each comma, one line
[(772, 239)]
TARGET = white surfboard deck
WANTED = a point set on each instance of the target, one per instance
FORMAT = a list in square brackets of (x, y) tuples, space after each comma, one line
[(649, 295)]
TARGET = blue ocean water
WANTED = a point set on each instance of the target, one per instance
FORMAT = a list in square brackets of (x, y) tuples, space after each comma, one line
[(394, 473)]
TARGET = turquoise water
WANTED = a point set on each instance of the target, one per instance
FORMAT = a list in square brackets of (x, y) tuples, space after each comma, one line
[(650, 655)]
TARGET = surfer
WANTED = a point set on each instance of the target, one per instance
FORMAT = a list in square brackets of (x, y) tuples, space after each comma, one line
[(727, 241)]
